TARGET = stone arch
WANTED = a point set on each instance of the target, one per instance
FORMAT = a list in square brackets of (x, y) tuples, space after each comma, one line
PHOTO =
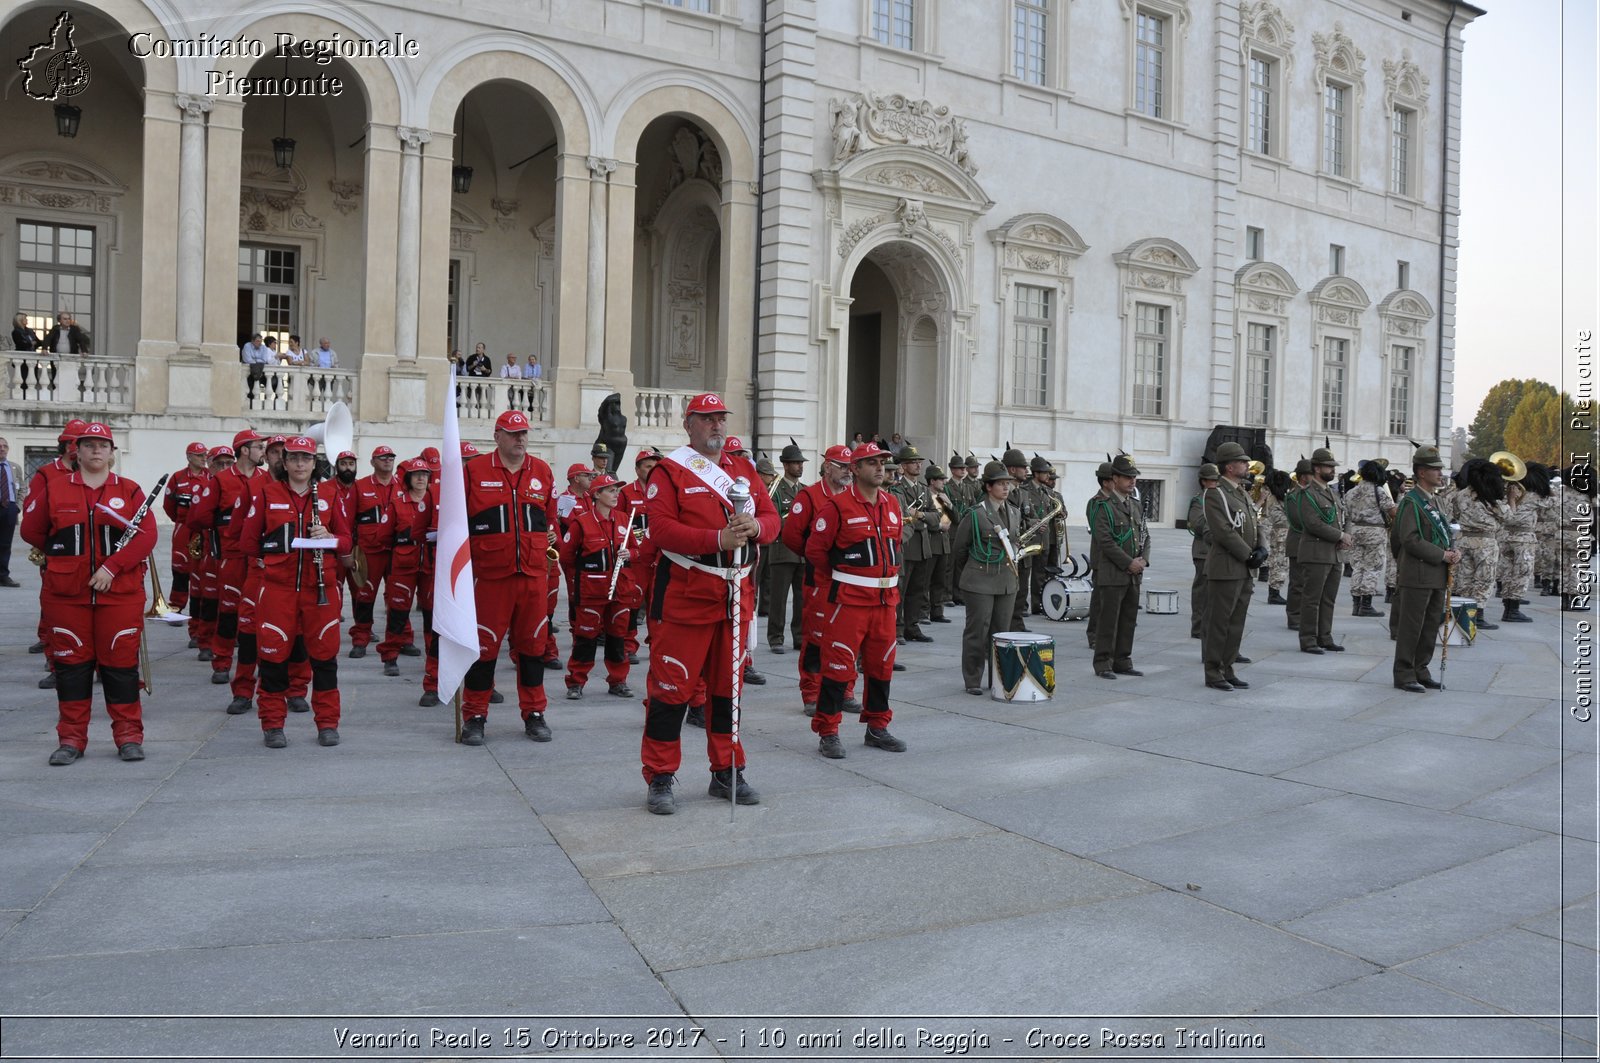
[(1158, 253), (132, 16), (1039, 228), (1340, 291), (686, 285), (382, 80), (504, 58), (1407, 303), (704, 104)]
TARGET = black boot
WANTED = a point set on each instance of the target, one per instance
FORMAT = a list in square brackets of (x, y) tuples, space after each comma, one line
[(1513, 613), (1388, 596), (1483, 622), (1569, 604), (1355, 605), (1364, 607), (1274, 598)]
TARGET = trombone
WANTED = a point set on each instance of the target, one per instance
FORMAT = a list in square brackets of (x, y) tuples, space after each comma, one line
[(159, 610)]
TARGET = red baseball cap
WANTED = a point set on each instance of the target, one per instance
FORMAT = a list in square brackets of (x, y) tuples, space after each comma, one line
[(277, 441), (512, 421), (707, 403), (604, 480), (468, 450), (645, 455), (429, 454), (734, 445), (96, 430), (195, 448), (72, 430), (243, 436), (577, 470), (867, 450), (412, 465), (343, 454), (383, 450), (222, 451), (433, 463), (839, 454), (297, 445)]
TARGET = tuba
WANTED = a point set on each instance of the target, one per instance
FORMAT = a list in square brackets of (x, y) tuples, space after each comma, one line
[(1512, 468)]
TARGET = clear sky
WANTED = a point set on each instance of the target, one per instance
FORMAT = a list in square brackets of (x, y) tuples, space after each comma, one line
[(1528, 180)]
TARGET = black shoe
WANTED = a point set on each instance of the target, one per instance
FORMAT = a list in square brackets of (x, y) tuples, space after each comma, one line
[(1294, 627), (1312, 649), (898, 667), (754, 678), (130, 751), (273, 738), (919, 637), (976, 692), (1483, 622), (775, 647), (938, 620), (1513, 614), (808, 708), (65, 755), (219, 678), (238, 706), (205, 654), (1431, 684), (1331, 647), (1237, 683), (1219, 684), (47, 681), (357, 652), (574, 693), (660, 799), (742, 791), (37, 647), (831, 747), (552, 663), (882, 739), (1134, 671), (194, 644), (1364, 607), (327, 736), (633, 658), (410, 650), (696, 717), (1242, 659), (472, 731), (391, 667), (429, 699), (1411, 688), (1274, 598), (299, 705), (535, 727), (1106, 673), (496, 698), (619, 690)]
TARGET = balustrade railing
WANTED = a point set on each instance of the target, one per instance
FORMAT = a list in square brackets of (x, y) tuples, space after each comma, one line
[(482, 399), (296, 390), (72, 380), (660, 408)]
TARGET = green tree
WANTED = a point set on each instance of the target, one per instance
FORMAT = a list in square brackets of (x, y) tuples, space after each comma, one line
[(1487, 433), (1540, 429)]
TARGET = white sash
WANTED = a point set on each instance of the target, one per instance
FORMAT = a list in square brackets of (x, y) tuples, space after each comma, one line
[(709, 473)]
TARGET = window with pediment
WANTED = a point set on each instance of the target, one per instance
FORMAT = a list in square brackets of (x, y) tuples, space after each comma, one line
[(1266, 41), (1340, 79), (1405, 94), (1153, 303), (1337, 305), (1403, 318), (1035, 256), (1263, 292)]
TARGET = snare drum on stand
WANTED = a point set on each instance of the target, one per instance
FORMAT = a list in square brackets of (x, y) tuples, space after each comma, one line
[(1024, 666), (1463, 622), (1066, 599), (1160, 603)]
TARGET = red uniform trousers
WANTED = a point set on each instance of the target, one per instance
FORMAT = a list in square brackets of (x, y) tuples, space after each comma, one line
[(400, 590), (552, 595), (295, 634), (244, 671), (430, 640), (865, 631), (203, 609), (178, 593), (232, 575), (362, 601), (603, 621), (688, 661), (509, 607), (82, 637), (812, 623)]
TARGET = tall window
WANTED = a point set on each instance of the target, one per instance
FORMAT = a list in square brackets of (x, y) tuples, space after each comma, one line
[(894, 22), (1149, 360), (1263, 72), (270, 278), (1260, 342), (1402, 274), (1335, 129), (1031, 340), (1400, 152), (1150, 64), (1335, 360), (55, 272), (1336, 260), (1400, 359), (1255, 243), (1029, 23)]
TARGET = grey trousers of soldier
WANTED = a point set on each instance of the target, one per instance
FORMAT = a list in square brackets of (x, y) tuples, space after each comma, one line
[(938, 585), (1019, 603), (1227, 605), (1197, 599), (1420, 611), (783, 579), (1036, 584), (986, 614), (1113, 631), (914, 577), (1297, 582), (1318, 594)]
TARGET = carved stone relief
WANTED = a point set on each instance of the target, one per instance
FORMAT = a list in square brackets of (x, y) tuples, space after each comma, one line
[(869, 120)]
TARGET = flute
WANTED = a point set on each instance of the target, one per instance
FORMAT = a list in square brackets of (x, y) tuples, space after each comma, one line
[(616, 569)]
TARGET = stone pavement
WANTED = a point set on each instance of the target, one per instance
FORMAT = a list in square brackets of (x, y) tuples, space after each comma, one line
[(1320, 866)]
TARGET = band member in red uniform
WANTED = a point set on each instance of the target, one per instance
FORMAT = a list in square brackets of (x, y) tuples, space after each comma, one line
[(569, 504), (430, 668), (93, 592), (372, 511), (300, 602), (854, 556), (65, 462), (836, 476), (596, 550), (342, 486), (412, 508), (511, 520), (221, 508), (206, 591), (632, 500), (183, 488), (704, 546)]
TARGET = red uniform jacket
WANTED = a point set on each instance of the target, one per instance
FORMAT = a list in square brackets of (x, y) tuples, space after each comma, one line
[(430, 535), (335, 489), (372, 512), (686, 517), (222, 506), (854, 548), (77, 527), (589, 552), (46, 473), (183, 491), (280, 516), (802, 514), (508, 516), (411, 521)]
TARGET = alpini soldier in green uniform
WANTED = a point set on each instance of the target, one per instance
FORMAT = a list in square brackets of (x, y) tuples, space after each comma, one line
[(1026, 503), (985, 545), (919, 520), (1236, 550), (1291, 543), (1046, 561), (1424, 550), (939, 545), (785, 568), (1322, 535), (1117, 526), (1102, 475), (1199, 548)]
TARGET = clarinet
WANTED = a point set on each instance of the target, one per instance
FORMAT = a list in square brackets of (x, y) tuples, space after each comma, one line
[(139, 514), (316, 555)]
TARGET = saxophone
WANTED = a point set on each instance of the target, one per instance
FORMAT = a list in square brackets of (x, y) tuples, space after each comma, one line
[(1028, 549)]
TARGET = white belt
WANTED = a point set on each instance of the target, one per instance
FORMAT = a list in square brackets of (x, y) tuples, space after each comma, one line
[(721, 573), (881, 583)]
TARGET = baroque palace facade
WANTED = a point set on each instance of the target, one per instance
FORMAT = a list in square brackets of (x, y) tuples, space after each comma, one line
[(1077, 227)]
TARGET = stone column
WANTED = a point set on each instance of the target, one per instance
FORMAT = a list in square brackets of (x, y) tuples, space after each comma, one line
[(621, 194), (224, 146), (594, 350), (408, 237), (380, 212), (191, 222), (738, 266), (565, 368), (158, 214)]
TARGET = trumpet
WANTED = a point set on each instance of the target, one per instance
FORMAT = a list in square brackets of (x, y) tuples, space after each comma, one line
[(197, 546), (946, 513)]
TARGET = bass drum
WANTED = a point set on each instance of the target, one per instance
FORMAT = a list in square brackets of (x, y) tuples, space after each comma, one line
[(1066, 599)]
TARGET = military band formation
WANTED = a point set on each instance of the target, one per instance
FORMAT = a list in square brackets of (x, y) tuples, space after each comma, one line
[(270, 539)]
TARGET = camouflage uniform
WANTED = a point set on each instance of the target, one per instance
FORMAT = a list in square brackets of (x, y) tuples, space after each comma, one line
[(1517, 546), (1277, 525), (1368, 513), (1480, 552), (1547, 532)]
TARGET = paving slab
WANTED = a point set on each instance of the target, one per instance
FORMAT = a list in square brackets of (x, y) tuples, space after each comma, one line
[(1279, 865), (38, 863), (1454, 712), (1517, 970), (1267, 750), (1560, 799), (1573, 923), (1131, 722), (1435, 770)]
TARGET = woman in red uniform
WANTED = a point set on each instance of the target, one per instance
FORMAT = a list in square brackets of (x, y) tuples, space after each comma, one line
[(297, 614), (93, 594), (595, 547), (412, 507), (183, 489)]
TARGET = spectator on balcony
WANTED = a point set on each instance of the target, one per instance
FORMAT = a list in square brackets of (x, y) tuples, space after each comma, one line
[(257, 355), (533, 370), (67, 337), (23, 338), (325, 356), (293, 354), (457, 368), (511, 370), (479, 364)]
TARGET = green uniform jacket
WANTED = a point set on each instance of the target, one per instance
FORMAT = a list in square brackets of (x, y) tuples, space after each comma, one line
[(1231, 520), (914, 495), (980, 556), (1418, 538), (1088, 522), (1201, 546), (1291, 503), (783, 495), (1117, 527), (1317, 513)]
